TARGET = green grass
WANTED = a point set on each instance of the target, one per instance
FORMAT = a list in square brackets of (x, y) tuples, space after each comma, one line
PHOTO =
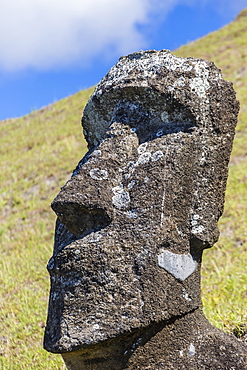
[(38, 153)]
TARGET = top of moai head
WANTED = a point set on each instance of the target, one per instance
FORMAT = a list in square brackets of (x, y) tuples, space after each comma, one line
[(161, 90)]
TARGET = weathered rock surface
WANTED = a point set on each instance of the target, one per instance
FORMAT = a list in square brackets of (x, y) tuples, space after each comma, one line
[(189, 342), (135, 217)]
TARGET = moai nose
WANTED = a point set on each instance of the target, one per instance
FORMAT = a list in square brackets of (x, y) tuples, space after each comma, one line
[(80, 220), (85, 210), (85, 203)]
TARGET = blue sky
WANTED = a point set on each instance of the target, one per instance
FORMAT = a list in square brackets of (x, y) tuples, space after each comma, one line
[(50, 49)]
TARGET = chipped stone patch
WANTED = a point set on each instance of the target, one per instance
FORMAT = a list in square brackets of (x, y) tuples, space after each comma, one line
[(181, 266)]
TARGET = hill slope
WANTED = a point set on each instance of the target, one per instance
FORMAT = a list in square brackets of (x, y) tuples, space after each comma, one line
[(39, 152)]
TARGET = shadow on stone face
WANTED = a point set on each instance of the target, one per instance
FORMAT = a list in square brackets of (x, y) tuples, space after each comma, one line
[(139, 112), (79, 220), (135, 217)]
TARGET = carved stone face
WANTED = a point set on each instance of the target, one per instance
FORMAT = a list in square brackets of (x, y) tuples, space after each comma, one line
[(136, 214)]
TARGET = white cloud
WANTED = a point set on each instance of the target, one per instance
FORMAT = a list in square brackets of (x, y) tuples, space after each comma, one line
[(50, 33), (225, 7), (45, 34)]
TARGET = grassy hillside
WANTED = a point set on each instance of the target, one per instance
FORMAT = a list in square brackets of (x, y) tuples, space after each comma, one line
[(38, 154)]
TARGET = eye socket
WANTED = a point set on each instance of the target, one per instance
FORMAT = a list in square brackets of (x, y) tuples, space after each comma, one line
[(145, 109), (80, 220), (150, 121)]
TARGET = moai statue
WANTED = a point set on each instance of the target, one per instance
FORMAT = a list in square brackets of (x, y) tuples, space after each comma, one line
[(135, 217)]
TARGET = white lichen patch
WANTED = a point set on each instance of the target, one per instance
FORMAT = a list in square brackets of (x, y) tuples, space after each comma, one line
[(159, 133), (165, 116), (93, 238), (200, 83), (197, 229), (186, 295), (121, 199), (177, 84), (142, 148), (180, 82), (143, 158), (96, 153), (192, 350), (148, 64), (131, 184), (199, 86), (157, 155), (131, 214), (180, 266), (118, 189), (98, 174), (195, 217), (194, 220), (130, 166)]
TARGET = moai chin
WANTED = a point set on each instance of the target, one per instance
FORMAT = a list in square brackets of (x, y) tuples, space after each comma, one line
[(135, 216)]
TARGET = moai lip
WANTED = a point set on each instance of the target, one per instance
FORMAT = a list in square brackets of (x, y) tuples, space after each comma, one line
[(135, 216)]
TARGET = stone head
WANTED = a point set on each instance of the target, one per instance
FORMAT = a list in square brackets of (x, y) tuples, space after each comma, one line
[(144, 202)]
